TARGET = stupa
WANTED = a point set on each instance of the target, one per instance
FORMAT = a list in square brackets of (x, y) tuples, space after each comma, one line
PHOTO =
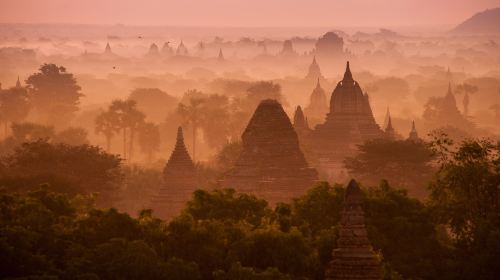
[(287, 49), (179, 181), (318, 107), (300, 123), (271, 164), (413, 136), (154, 51), (389, 131), (354, 257), (314, 72)]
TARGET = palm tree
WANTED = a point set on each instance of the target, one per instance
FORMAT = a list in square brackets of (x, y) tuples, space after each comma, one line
[(466, 89), (191, 113), (149, 139), (128, 119), (107, 124)]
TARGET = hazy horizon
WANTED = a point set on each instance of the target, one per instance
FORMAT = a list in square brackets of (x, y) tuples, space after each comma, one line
[(240, 14)]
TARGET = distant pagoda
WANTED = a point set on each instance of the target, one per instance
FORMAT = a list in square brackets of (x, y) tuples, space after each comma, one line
[(181, 50), (271, 164), (300, 123), (287, 50), (179, 181), (154, 51), (354, 257), (314, 72), (318, 107), (107, 49), (220, 57), (349, 123), (389, 131), (167, 50), (413, 136)]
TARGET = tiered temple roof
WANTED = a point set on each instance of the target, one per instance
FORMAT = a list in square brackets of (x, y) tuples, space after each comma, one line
[(271, 163), (179, 181), (349, 122), (354, 257)]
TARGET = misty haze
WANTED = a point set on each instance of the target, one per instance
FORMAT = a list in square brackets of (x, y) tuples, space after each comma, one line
[(250, 140)]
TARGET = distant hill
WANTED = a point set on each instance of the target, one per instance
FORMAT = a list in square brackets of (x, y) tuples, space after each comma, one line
[(486, 22)]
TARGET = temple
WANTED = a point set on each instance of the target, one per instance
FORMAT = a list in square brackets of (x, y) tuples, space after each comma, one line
[(271, 164), (107, 50), (329, 45), (354, 257), (389, 131), (181, 50), (167, 49), (287, 49), (179, 182), (220, 57), (314, 73), (318, 107), (413, 136), (154, 51), (349, 123), (18, 83), (300, 123)]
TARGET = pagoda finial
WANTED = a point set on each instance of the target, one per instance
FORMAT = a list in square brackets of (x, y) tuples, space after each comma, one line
[(180, 136), (389, 123), (18, 83), (348, 74), (317, 84), (221, 55), (314, 60)]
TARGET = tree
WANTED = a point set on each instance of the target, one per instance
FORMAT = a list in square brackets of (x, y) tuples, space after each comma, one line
[(127, 118), (72, 169), (14, 106), (107, 123), (466, 197), (466, 89), (405, 163), (149, 139), (192, 113), (55, 94), (74, 136), (155, 103)]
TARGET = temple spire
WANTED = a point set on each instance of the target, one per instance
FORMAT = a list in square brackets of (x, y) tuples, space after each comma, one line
[(221, 55), (18, 83), (317, 84), (413, 133), (354, 257), (348, 74)]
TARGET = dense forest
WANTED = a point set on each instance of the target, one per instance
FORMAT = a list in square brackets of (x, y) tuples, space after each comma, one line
[(57, 230)]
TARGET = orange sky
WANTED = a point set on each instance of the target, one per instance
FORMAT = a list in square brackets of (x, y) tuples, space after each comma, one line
[(238, 13)]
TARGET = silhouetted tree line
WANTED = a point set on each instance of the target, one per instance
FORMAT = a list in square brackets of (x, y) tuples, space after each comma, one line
[(59, 233)]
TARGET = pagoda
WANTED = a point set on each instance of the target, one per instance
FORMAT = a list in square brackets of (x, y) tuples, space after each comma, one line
[(271, 164), (107, 49), (287, 50), (181, 50), (318, 107), (314, 72), (349, 123), (220, 57), (154, 51), (300, 123), (413, 136), (389, 131), (354, 257), (179, 181)]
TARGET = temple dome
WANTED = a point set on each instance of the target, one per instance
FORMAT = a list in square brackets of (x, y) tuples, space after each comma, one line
[(347, 97)]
